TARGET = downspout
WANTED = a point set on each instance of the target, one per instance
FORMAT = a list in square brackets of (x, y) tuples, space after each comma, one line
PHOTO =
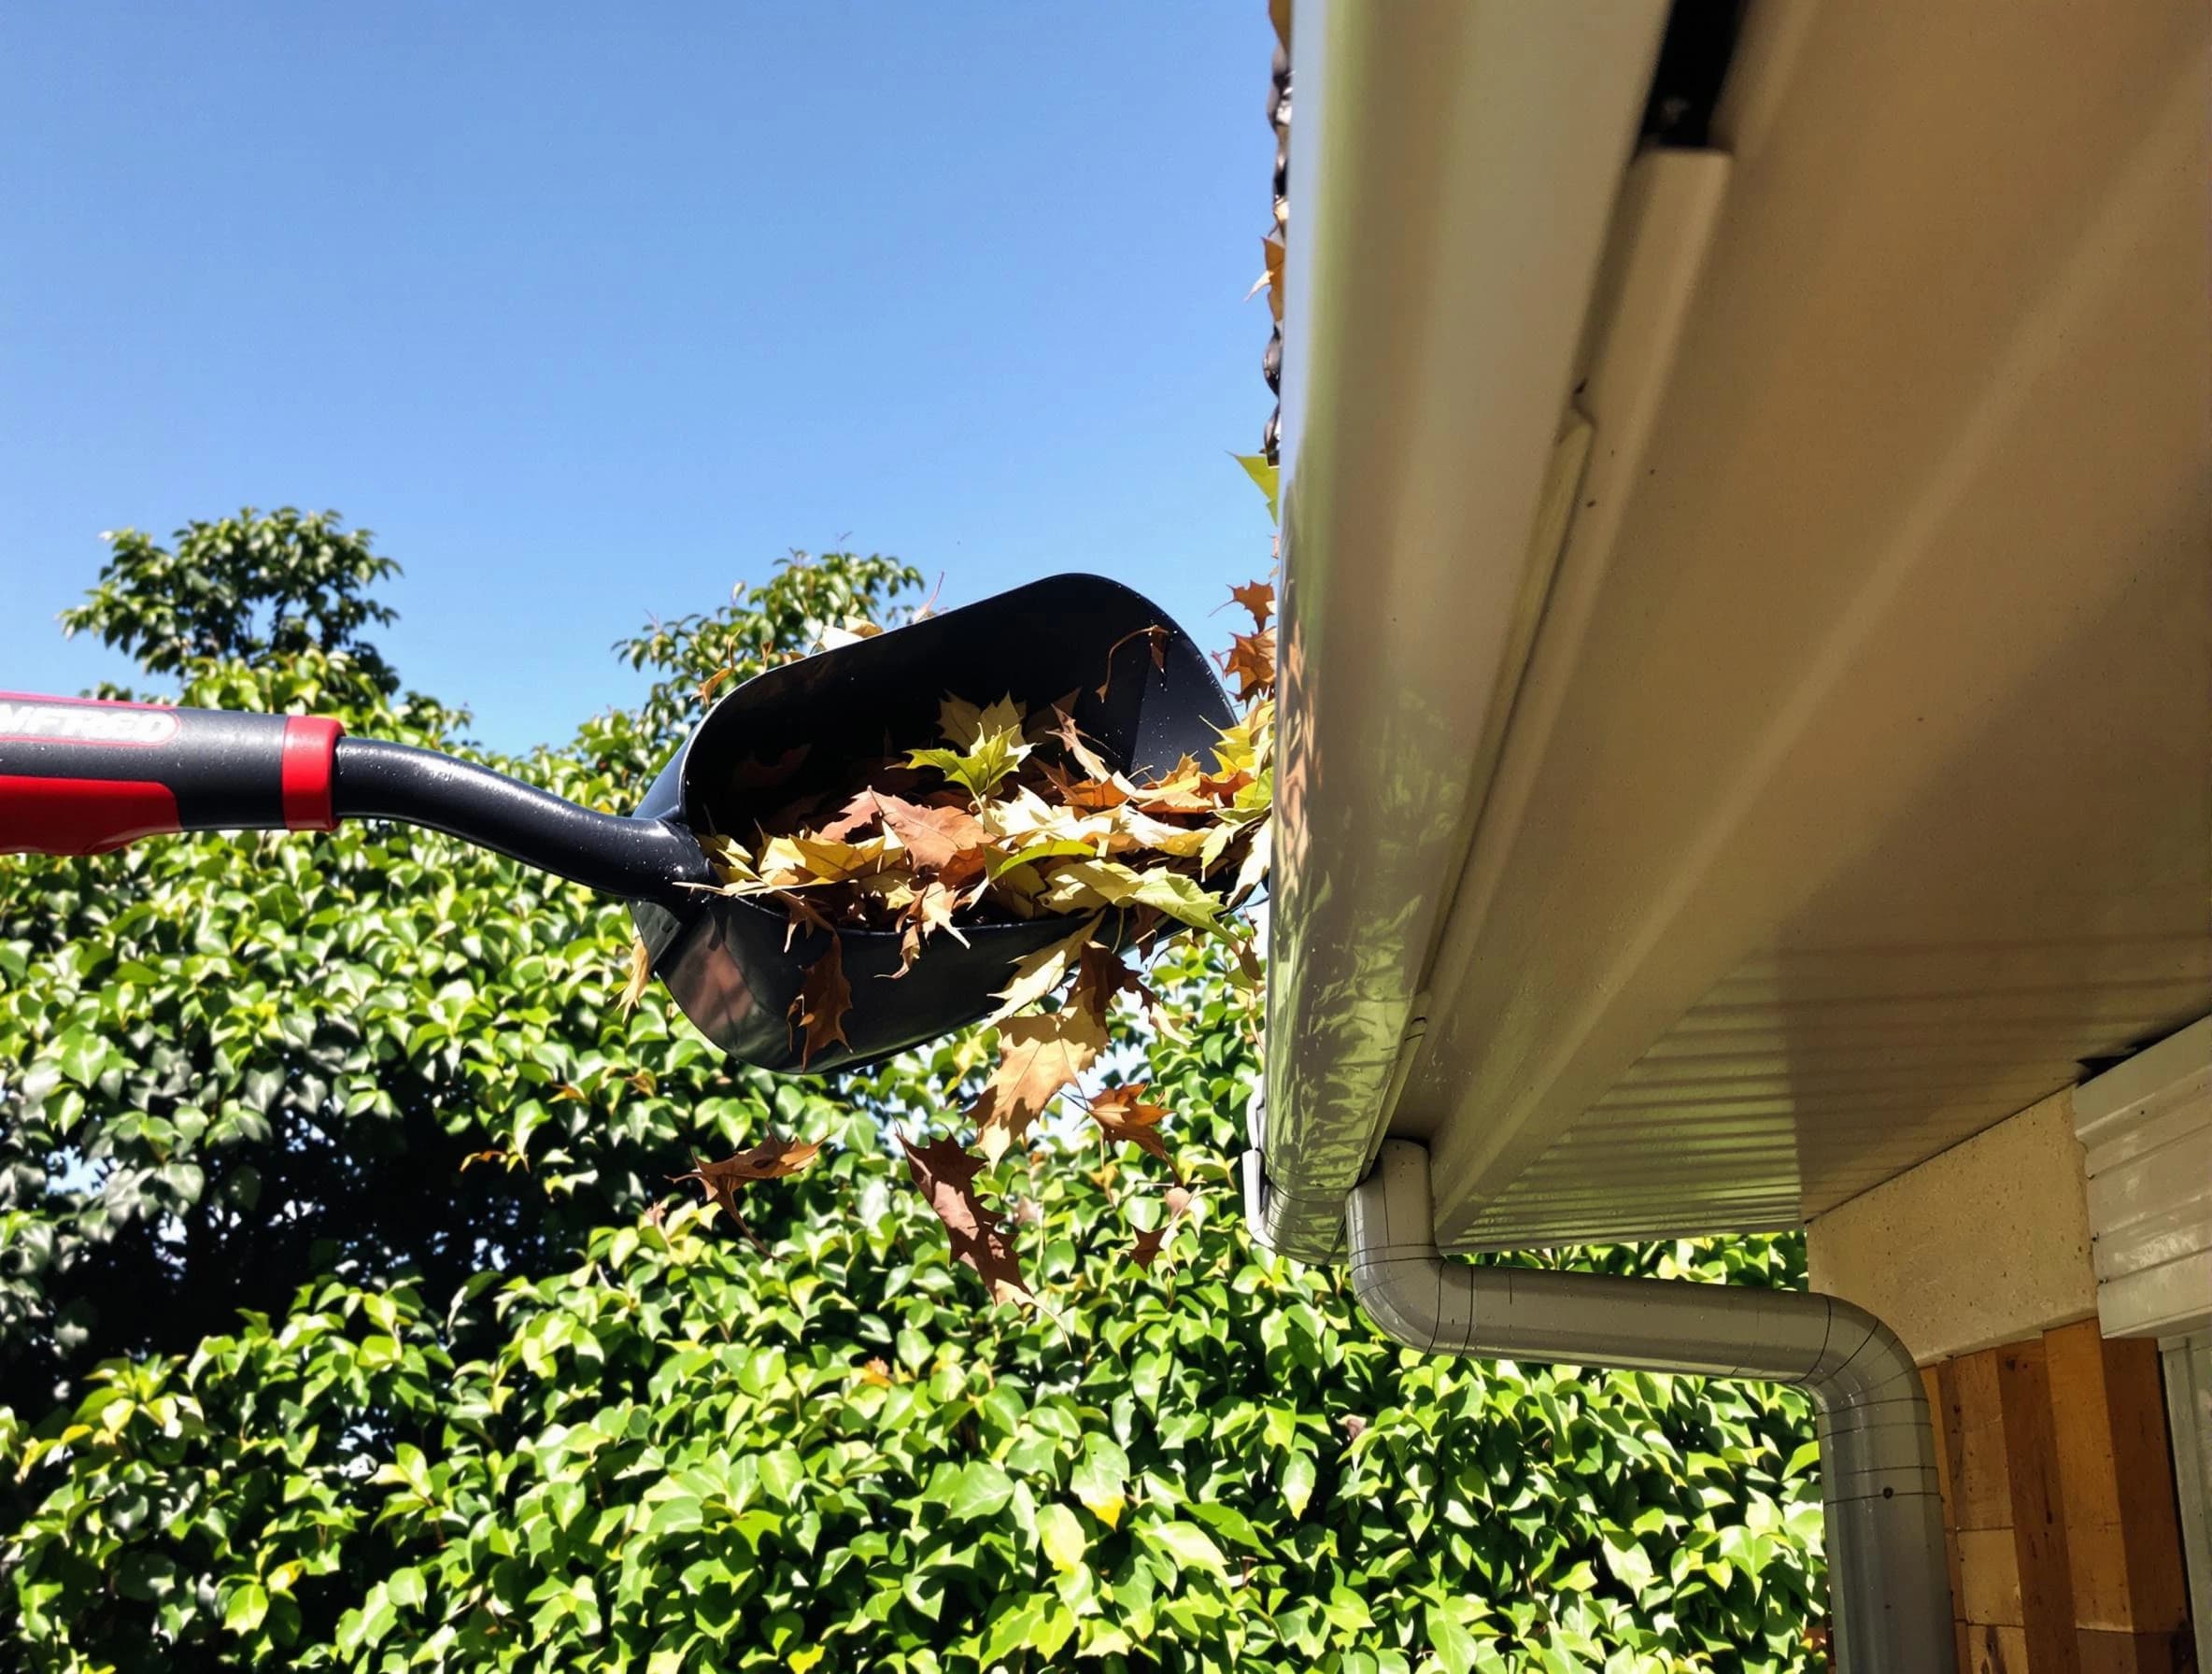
[(1889, 1582)]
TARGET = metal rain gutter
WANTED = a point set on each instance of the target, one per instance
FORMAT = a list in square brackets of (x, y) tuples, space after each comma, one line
[(1454, 168), (1889, 1585)]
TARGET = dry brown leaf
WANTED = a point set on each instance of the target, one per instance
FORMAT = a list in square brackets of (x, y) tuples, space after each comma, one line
[(1121, 1113), (1038, 1056), (1089, 796), (933, 838), (1149, 1244), (771, 1160), (1101, 974), (1071, 738), (1252, 660), (804, 916), (823, 999), (945, 1172), (641, 975), (1157, 634), (853, 819), (1258, 596)]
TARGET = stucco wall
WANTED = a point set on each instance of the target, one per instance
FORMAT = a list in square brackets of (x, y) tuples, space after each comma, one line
[(1986, 1243)]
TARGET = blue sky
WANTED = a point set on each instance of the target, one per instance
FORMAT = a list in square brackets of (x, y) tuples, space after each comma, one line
[(590, 313)]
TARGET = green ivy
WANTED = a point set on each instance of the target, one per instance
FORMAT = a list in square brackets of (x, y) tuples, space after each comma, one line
[(347, 1319)]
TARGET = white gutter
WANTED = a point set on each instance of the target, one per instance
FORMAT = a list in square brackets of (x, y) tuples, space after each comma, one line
[(1889, 1583), (1455, 166)]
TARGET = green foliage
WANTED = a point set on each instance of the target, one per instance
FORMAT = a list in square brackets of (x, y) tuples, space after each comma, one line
[(287, 1385), (243, 589)]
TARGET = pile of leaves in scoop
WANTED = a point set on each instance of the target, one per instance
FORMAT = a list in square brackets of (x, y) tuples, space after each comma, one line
[(1013, 815)]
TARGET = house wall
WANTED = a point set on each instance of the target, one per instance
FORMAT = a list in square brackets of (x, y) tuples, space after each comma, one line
[(2060, 1508)]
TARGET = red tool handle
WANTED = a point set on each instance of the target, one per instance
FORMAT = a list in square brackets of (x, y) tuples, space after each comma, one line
[(80, 776)]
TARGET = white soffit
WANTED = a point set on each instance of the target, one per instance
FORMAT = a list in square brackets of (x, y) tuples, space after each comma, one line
[(1857, 786)]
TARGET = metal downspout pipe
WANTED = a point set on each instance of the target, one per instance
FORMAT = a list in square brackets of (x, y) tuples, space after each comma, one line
[(1889, 1583)]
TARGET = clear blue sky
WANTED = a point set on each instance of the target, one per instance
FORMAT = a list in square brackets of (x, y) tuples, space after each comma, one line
[(590, 312)]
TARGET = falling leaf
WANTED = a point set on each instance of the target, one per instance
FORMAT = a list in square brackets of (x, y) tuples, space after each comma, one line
[(1255, 860), (1121, 1113), (771, 1160), (1158, 637), (1250, 659), (1264, 474), (1146, 1248), (1099, 976), (1042, 971), (946, 1173), (823, 999), (804, 916), (1258, 596), (641, 975), (1271, 276), (876, 1373), (1179, 1201), (1071, 739), (1038, 1056)]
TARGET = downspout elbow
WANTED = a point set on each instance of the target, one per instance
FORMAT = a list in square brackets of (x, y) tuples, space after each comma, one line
[(1399, 1276), (1891, 1587)]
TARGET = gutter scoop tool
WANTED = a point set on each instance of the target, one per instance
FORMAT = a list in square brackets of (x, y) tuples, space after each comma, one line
[(80, 776)]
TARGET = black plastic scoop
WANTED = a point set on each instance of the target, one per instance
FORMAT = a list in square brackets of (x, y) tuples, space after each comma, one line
[(80, 776)]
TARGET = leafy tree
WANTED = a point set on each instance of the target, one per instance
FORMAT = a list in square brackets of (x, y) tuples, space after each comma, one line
[(348, 1319), (240, 589)]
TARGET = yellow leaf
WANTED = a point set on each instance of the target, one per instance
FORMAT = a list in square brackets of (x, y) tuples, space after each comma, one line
[(1264, 474), (1139, 828), (1042, 973), (641, 974), (1106, 1508), (1256, 858), (959, 721), (831, 860)]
